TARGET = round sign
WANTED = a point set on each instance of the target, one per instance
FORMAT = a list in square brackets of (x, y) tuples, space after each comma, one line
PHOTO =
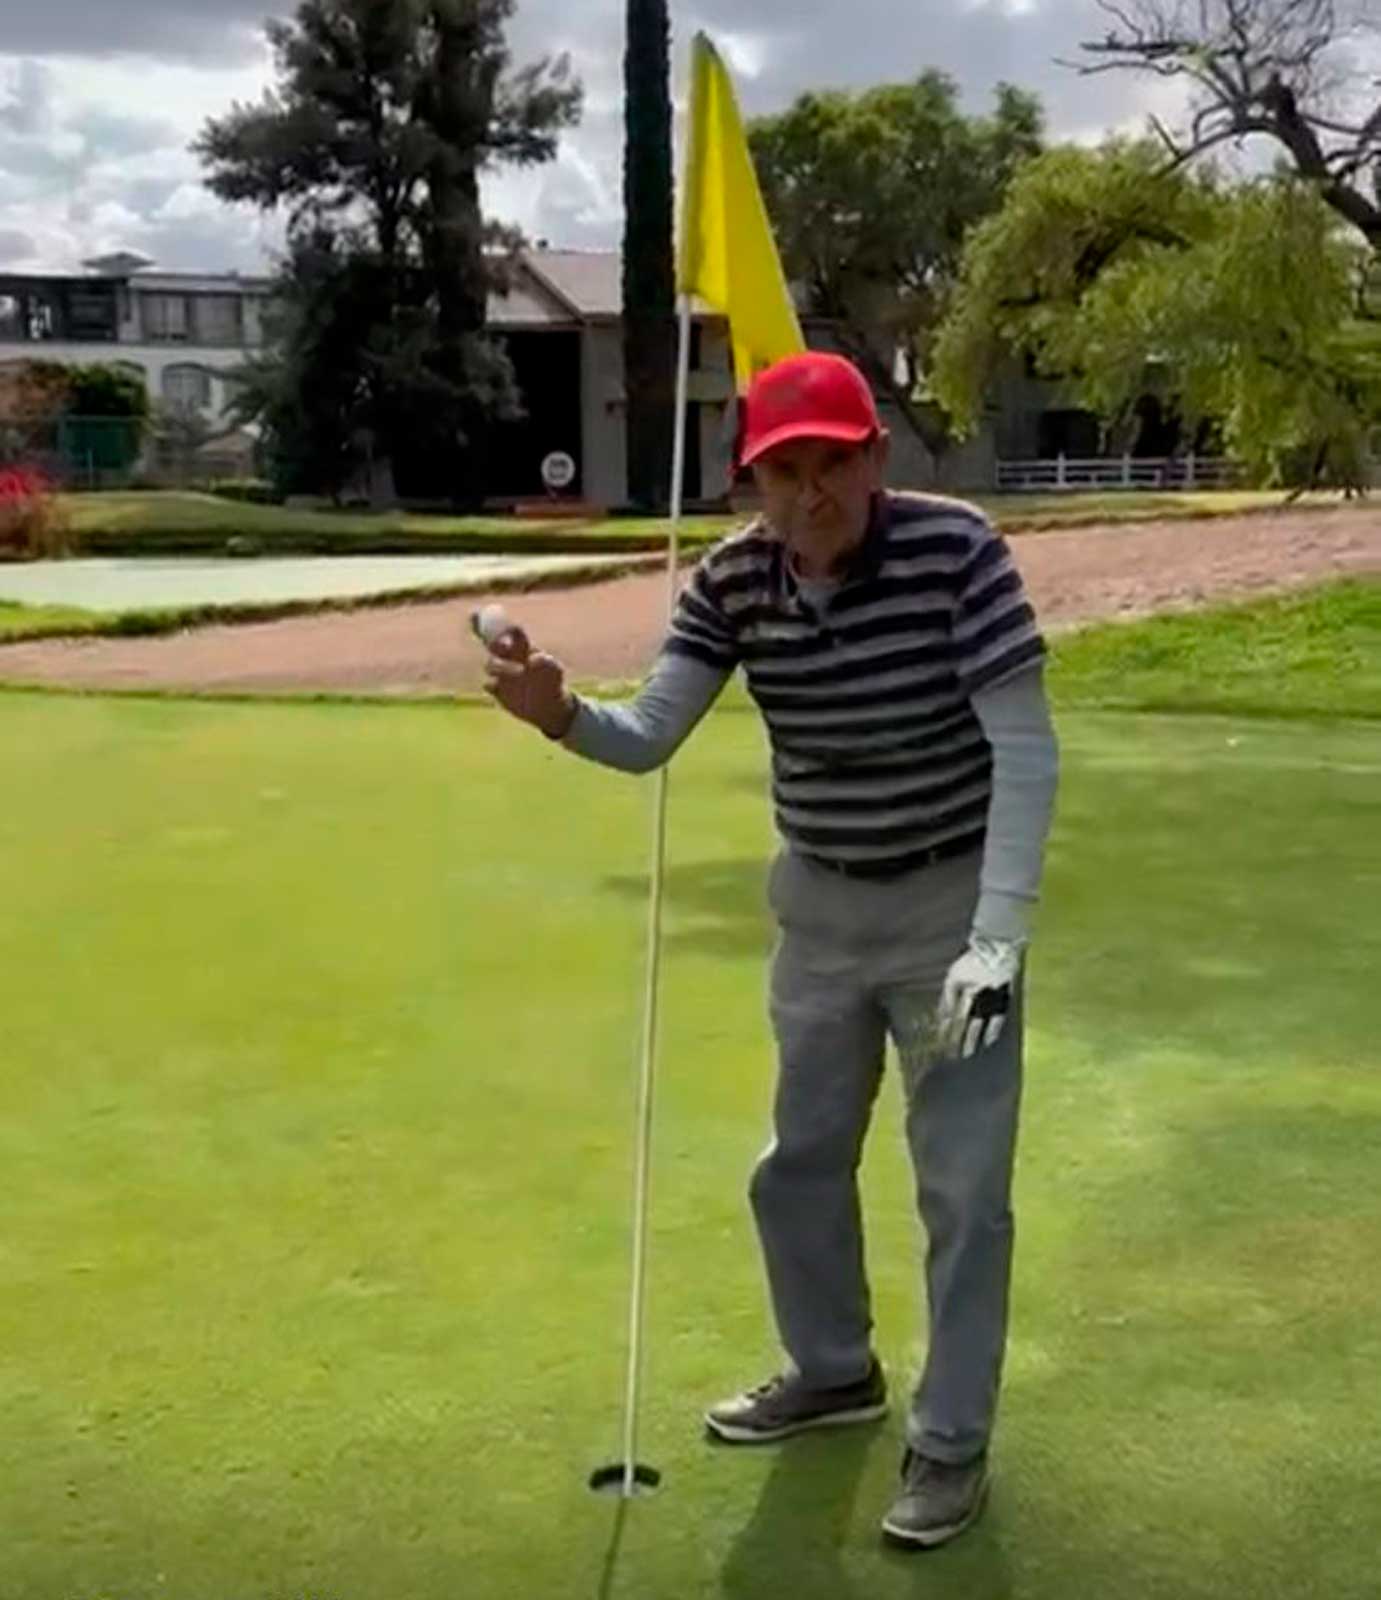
[(558, 470)]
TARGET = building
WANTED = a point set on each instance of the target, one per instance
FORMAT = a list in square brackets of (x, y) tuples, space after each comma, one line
[(559, 314), (560, 317), (562, 320), (572, 301), (181, 332)]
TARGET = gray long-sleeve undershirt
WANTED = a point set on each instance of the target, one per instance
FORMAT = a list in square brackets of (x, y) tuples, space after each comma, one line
[(642, 734)]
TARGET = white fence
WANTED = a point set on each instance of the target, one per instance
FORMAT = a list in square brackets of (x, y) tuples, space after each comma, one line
[(1118, 472)]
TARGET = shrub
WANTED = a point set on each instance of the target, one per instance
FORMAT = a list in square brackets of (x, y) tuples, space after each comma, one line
[(107, 391), (33, 524)]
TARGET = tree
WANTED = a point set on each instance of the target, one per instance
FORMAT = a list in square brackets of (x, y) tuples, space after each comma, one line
[(1245, 306), (107, 417), (649, 284), (34, 396), (385, 115), (99, 390), (346, 377), (34, 391), (1027, 269), (94, 415), (1291, 70), (475, 114), (872, 196)]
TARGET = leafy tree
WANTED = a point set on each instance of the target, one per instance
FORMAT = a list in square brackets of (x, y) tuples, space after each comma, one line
[(34, 391), (649, 279), (95, 415), (33, 398), (99, 390), (1243, 305), (1027, 269), (108, 413), (385, 115), (872, 196), (345, 384)]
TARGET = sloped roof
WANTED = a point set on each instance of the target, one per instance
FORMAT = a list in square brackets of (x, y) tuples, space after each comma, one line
[(529, 304), (591, 280)]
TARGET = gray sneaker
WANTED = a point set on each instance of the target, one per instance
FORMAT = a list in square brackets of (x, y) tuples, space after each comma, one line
[(784, 1405), (937, 1501)]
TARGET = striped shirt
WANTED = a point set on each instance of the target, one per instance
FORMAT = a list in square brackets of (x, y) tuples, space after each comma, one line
[(879, 762)]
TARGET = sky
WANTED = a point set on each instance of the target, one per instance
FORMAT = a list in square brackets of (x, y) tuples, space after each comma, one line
[(99, 100)]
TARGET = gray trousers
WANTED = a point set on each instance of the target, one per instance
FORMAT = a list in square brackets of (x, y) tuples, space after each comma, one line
[(857, 961)]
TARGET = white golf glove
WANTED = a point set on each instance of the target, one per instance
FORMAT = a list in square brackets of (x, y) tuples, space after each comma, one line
[(977, 997)]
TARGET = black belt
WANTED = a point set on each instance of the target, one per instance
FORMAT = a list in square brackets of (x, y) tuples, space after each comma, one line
[(900, 866)]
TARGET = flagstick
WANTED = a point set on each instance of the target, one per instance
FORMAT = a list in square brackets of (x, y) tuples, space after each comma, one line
[(654, 951)]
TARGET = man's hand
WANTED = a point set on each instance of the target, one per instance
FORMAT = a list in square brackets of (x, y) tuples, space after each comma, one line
[(977, 997), (533, 690)]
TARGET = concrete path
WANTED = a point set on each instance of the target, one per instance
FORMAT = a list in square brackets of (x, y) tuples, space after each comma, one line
[(145, 583)]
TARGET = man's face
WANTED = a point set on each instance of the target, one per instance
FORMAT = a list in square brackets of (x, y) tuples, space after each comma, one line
[(818, 491)]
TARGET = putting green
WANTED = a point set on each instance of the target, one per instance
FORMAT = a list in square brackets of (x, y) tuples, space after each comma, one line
[(315, 1128)]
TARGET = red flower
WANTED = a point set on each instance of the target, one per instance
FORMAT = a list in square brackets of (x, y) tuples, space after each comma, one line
[(21, 484)]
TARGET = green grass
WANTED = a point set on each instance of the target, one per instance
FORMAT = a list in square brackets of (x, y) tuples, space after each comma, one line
[(1034, 513), (42, 622), (168, 522), (1317, 653), (315, 1119), (1312, 654)]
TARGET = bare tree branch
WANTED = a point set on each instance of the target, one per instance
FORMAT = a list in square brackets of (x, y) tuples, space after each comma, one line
[(1176, 153), (1266, 67), (1117, 11), (1161, 71), (1349, 130)]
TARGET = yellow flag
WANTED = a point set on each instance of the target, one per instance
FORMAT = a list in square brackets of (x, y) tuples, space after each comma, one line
[(728, 256)]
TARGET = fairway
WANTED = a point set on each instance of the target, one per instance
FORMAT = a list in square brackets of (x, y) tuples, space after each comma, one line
[(320, 1030)]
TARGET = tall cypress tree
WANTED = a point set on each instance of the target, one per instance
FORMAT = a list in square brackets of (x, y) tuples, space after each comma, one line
[(649, 278)]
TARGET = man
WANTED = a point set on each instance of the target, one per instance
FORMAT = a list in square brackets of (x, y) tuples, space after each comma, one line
[(889, 645)]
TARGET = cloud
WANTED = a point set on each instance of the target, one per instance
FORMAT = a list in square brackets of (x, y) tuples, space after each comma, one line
[(91, 154), (213, 32), (110, 135), (746, 54), (25, 93), (14, 246), (98, 103), (782, 47)]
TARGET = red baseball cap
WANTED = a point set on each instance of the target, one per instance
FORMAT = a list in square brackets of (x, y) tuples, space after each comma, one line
[(811, 396)]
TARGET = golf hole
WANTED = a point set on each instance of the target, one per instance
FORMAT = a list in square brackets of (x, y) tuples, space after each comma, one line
[(609, 1480)]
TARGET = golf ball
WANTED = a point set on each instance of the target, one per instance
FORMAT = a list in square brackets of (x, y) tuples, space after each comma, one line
[(500, 634)]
